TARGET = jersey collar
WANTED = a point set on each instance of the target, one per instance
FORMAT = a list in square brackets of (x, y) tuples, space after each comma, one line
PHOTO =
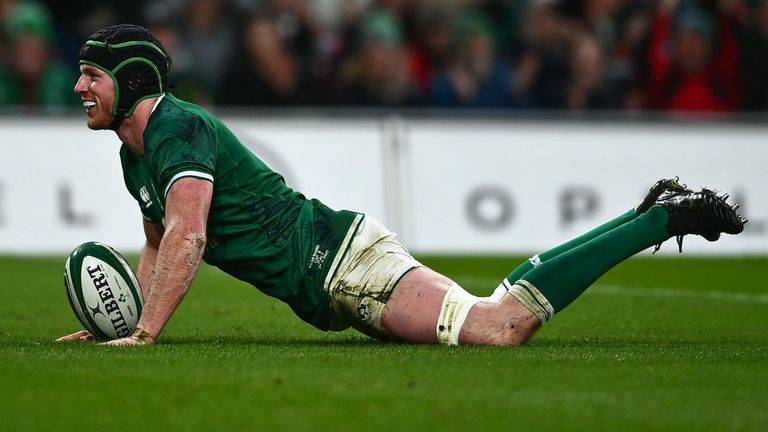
[(157, 102)]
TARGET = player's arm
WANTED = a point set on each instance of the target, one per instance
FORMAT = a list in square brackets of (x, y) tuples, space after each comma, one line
[(177, 257), (154, 235)]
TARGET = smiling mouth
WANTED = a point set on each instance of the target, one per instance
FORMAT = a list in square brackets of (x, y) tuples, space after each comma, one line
[(89, 104)]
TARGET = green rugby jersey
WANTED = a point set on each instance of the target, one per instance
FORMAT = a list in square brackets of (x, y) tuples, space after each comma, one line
[(259, 230)]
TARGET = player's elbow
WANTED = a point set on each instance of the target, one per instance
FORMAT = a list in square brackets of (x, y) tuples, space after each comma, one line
[(189, 238), (196, 240), (193, 246), (190, 232)]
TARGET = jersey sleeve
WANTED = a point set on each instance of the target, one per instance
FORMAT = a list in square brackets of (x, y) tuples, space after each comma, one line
[(190, 152)]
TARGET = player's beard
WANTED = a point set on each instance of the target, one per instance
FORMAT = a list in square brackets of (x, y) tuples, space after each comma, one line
[(99, 117)]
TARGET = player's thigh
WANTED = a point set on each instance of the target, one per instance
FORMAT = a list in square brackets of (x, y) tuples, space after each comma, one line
[(366, 278), (412, 311)]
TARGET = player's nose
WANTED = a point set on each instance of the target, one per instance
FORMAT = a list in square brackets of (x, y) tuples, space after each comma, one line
[(80, 86)]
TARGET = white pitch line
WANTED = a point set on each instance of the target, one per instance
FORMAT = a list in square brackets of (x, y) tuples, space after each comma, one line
[(740, 297), (617, 290)]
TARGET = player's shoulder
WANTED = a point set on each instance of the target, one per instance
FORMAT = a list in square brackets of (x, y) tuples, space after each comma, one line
[(171, 105), (176, 119)]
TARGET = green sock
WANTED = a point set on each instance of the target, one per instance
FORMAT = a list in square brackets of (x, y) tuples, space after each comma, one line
[(557, 282), (578, 241)]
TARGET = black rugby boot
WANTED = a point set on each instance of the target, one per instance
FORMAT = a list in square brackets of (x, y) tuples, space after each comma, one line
[(703, 213), (662, 186)]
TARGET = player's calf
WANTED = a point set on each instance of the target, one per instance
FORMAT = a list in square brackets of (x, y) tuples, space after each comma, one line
[(503, 323)]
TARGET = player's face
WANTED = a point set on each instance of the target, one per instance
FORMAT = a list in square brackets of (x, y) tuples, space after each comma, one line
[(97, 90)]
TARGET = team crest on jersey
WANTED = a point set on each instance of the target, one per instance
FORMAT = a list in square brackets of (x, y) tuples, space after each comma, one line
[(145, 197)]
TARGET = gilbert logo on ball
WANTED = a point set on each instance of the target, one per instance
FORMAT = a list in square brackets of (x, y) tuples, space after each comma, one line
[(103, 291)]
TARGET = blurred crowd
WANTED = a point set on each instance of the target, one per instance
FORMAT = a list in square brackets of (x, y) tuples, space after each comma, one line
[(641, 55)]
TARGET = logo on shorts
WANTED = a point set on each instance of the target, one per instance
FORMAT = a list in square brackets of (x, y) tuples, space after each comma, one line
[(318, 258), (144, 194), (365, 313)]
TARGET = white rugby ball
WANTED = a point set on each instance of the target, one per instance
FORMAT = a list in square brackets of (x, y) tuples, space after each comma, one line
[(103, 291)]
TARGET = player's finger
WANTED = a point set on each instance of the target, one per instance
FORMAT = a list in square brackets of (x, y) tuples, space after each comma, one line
[(119, 342), (81, 335), (68, 338)]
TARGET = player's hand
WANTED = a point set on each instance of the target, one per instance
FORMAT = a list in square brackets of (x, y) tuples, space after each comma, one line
[(126, 341), (139, 337), (82, 335)]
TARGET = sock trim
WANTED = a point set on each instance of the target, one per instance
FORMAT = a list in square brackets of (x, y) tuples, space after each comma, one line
[(539, 297), (530, 297)]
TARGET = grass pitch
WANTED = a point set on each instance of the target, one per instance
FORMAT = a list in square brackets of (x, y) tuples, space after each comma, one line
[(657, 344)]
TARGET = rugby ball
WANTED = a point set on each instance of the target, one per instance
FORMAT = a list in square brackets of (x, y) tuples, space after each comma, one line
[(103, 291)]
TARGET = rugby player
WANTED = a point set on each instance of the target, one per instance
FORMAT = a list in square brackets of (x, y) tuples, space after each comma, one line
[(203, 195)]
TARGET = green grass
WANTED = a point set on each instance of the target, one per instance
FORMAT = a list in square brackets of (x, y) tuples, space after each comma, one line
[(658, 344)]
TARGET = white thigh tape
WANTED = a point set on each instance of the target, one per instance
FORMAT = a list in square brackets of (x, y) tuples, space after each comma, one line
[(453, 313)]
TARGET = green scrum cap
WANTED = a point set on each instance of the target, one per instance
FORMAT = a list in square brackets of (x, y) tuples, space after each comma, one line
[(136, 61)]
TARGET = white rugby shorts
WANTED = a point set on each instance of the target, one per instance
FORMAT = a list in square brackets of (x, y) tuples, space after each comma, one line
[(366, 277)]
